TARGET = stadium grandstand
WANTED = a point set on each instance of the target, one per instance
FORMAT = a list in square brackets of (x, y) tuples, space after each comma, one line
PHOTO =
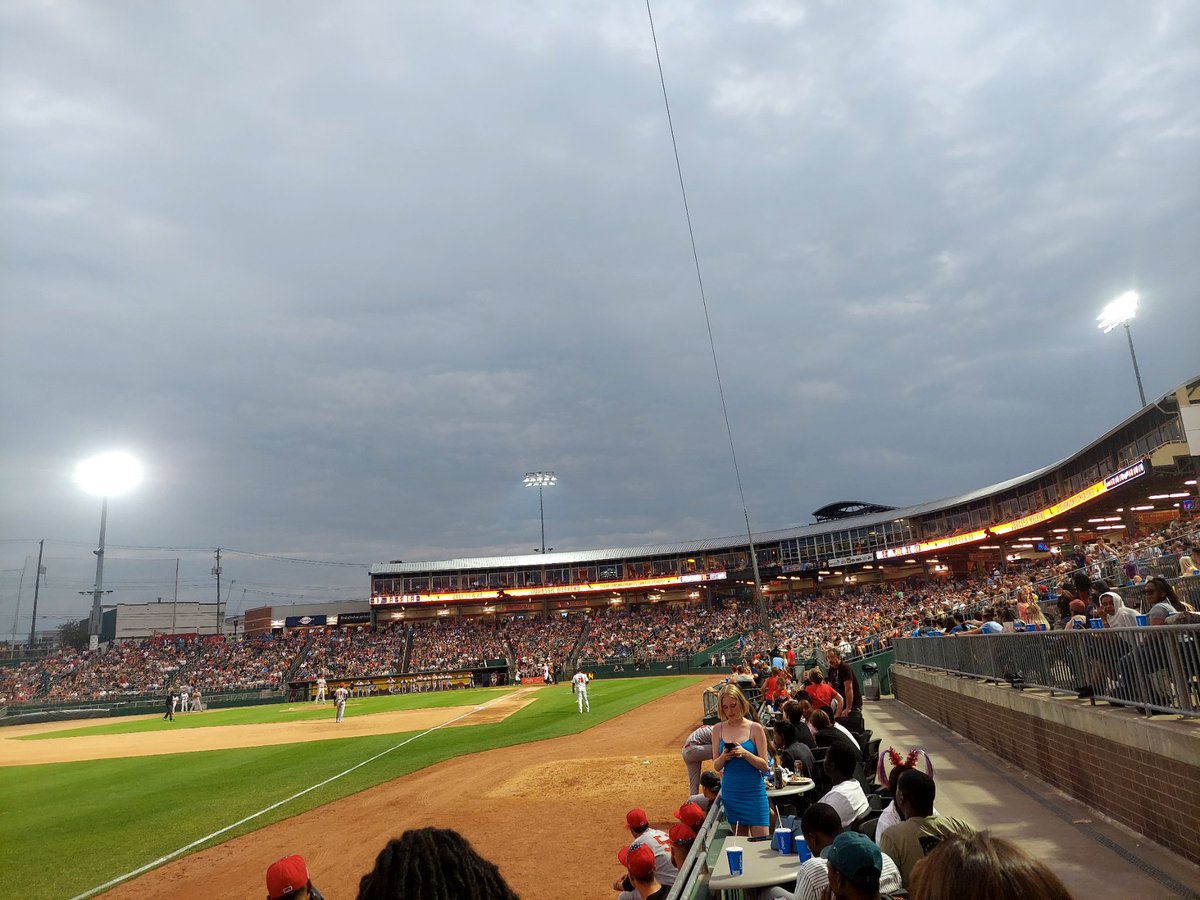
[(1138, 475), (860, 575)]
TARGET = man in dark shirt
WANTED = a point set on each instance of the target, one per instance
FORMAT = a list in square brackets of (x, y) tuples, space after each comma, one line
[(842, 677)]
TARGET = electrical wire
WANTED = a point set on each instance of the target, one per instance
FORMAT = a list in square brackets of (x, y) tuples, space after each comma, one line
[(707, 321)]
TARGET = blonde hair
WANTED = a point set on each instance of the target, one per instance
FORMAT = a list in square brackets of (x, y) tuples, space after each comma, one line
[(732, 690)]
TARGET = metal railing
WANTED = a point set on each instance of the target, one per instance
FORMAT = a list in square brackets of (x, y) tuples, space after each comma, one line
[(1154, 668)]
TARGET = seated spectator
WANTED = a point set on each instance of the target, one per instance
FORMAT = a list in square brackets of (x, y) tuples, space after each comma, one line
[(890, 767), (287, 879), (909, 841), (659, 844), (793, 711), (1115, 613), (432, 864), (774, 690), (1077, 616), (710, 789), (691, 815), (682, 838), (820, 692), (821, 825), (989, 625), (855, 867), (793, 754), (846, 796), (638, 859), (828, 734), (982, 867)]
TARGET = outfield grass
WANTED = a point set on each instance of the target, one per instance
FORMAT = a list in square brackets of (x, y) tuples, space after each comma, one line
[(109, 817), (279, 712)]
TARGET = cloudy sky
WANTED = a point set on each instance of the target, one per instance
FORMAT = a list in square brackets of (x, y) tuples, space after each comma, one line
[(340, 275)]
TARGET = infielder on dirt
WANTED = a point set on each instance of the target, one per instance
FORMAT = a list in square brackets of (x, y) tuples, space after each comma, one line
[(339, 701), (579, 684)]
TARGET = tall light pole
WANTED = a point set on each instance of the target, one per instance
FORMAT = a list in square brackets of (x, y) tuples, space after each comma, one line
[(541, 480), (1119, 312), (105, 476)]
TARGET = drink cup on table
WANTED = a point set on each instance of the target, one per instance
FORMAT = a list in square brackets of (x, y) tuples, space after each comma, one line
[(734, 855), (783, 841)]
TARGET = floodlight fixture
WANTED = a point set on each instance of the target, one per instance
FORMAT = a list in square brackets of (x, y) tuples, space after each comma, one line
[(107, 475), (1119, 312), (541, 480)]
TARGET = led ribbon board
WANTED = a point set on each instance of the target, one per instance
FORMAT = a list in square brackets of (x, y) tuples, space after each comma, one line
[(551, 590), (1091, 492)]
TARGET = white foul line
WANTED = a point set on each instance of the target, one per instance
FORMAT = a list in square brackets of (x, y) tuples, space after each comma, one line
[(208, 837)]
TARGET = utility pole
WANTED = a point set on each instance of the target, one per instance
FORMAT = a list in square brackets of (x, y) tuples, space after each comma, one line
[(217, 572), (37, 583)]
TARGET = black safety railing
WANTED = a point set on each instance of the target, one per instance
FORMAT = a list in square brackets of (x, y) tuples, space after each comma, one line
[(1154, 668)]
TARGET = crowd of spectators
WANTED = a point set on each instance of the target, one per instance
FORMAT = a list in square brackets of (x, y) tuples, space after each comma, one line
[(649, 631), (249, 664), (538, 643), (354, 652), (456, 645), (126, 669)]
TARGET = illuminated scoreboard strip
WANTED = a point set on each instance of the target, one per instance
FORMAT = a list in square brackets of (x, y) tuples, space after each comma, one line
[(551, 590), (1091, 492)]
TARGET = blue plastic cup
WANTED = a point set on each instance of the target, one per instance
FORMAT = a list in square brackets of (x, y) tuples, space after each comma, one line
[(802, 850), (783, 841), (734, 855), (1096, 623), (1143, 620)]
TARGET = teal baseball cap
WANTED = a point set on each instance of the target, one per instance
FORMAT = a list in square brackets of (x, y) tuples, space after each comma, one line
[(852, 852)]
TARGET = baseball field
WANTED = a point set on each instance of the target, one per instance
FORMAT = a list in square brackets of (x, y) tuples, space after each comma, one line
[(142, 807)]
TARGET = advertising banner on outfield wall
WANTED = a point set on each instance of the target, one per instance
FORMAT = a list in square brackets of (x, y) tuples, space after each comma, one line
[(304, 622)]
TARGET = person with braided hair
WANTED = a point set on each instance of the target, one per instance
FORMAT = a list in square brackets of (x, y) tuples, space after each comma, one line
[(433, 864)]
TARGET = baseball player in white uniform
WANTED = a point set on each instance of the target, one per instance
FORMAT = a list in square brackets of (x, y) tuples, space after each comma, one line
[(197, 706), (339, 701), (320, 698), (580, 684), (183, 700)]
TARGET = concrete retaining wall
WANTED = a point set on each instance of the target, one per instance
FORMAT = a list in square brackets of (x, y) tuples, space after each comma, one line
[(1145, 773)]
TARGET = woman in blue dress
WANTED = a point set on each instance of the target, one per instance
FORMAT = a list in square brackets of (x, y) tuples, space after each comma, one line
[(740, 754)]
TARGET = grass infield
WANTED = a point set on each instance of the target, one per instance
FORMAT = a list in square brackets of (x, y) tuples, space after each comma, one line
[(279, 712), (111, 816)]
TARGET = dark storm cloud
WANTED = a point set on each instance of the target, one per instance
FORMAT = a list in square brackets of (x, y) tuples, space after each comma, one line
[(342, 277)]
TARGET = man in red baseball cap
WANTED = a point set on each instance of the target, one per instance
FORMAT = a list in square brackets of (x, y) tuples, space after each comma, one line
[(288, 879), (639, 859), (657, 842)]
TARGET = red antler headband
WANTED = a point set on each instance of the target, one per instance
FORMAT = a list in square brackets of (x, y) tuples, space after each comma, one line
[(890, 759)]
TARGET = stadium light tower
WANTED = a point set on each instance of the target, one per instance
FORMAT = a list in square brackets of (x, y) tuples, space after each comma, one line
[(105, 476), (1119, 312), (541, 480)]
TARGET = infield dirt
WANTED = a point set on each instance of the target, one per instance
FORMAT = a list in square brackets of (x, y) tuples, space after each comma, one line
[(550, 814)]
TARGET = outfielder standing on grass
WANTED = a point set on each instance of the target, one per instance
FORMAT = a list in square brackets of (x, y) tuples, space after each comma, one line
[(579, 684), (320, 698), (339, 701)]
